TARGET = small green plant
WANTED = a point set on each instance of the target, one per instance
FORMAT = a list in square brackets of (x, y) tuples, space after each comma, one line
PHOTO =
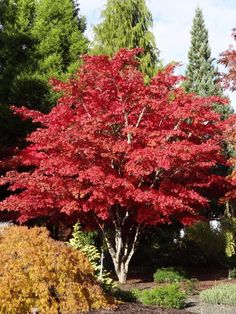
[(190, 286), (169, 275), (223, 294), (86, 244), (232, 273), (169, 296)]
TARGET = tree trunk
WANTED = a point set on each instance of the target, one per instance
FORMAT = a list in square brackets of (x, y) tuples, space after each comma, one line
[(121, 271), (121, 248)]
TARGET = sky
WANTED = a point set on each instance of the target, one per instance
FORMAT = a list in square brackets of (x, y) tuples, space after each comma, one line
[(172, 22)]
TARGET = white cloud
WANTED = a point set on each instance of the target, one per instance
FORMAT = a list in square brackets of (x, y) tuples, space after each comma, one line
[(173, 22)]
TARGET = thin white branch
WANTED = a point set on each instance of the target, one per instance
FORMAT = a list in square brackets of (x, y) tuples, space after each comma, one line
[(125, 218), (129, 136), (118, 243), (140, 116), (131, 252), (126, 118), (177, 125), (110, 248), (85, 108)]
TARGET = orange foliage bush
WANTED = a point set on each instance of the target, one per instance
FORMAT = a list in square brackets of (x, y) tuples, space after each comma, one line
[(39, 272)]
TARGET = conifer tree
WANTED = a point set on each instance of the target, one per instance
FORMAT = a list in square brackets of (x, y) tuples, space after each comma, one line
[(17, 63), (38, 39), (16, 46), (59, 32), (126, 24), (202, 77), (201, 74)]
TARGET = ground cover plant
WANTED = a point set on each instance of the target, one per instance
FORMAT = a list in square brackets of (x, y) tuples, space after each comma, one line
[(38, 272), (118, 155), (169, 296), (222, 294)]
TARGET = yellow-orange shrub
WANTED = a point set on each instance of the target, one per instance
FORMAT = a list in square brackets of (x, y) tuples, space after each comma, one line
[(39, 272)]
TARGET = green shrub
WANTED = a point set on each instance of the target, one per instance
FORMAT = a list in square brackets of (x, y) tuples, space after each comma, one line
[(169, 296), (39, 272), (169, 275), (223, 294), (85, 243), (232, 273)]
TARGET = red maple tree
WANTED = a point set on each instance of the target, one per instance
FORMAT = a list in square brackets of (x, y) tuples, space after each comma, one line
[(230, 136), (119, 154), (228, 59)]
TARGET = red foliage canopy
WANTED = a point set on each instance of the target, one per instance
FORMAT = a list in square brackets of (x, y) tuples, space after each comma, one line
[(230, 136), (228, 59), (112, 141)]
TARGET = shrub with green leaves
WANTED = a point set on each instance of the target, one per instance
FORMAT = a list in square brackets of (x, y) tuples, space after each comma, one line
[(169, 275), (84, 241), (232, 273), (169, 296), (223, 294)]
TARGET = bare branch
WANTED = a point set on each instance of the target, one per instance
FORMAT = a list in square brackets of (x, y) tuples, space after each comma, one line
[(129, 136), (125, 218), (131, 252), (140, 116), (177, 125)]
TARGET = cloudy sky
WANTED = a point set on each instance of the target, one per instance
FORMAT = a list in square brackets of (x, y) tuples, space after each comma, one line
[(173, 22)]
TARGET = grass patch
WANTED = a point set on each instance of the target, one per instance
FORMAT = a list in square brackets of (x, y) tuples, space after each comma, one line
[(223, 294)]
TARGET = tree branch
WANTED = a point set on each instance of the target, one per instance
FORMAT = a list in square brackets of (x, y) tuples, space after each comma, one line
[(140, 116)]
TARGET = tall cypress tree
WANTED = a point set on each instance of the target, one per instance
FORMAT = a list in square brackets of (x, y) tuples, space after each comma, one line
[(201, 74), (126, 24)]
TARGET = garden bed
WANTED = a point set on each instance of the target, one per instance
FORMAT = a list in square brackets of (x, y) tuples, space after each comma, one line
[(129, 308), (193, 304)]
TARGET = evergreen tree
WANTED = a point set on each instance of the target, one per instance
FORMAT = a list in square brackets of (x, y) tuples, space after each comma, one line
[(38, 40), (59, 33), (17, 61), (126, 24), (201, 73), (202, 77), (16, 47)]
